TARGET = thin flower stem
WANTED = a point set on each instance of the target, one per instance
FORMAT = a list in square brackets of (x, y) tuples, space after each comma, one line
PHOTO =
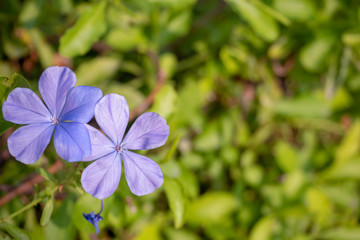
[(26, 207), (30, 205), (102, 206)]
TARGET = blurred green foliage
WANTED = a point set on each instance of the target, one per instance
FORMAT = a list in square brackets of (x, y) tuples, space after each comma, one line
[(260, 97)]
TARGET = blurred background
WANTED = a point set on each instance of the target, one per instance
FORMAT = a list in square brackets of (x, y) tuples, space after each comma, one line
[(261, 98)]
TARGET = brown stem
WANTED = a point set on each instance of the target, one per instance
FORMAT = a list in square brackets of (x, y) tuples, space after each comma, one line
[(150, 98), (29, 184)]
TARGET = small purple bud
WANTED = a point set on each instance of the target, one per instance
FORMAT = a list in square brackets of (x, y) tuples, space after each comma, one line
[(94, 219)]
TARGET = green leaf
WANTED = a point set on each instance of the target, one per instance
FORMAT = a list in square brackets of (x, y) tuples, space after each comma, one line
[(346, 163), (349, 146), (9, 84), (351, 38), (44, 50), (306, 106), (174, 27), (150, 231), (61, 225), (222, 230), (3, 88), (168, 63), (4, 236), (296, 9), (6, 68), (342, 233), (43, 172), (173, 147), (263, 229), (64, 6), (193, 160), (47, 211), (165, 101), (97, 70), (341, 100), (272, 12), (13, 47), (281, 48), (88, 29), (293, 183), (341, 194), (4, 125), (176, 199), (180, 24), (209, 139), (315, 54), (173, 4), (319, 205), (211, 207), (177, 234), (190, 182), (30, 12), (286, 157), (133, 96), (347, 170), (16, 232), (262, 23), (253, 175), (125, 39), (230, 63)]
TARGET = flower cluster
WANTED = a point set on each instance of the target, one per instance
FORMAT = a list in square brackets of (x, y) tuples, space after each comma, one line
[(65, 111)]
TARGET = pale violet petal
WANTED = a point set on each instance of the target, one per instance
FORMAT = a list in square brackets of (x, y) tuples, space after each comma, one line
[(80, 104), (148, 131), (72, 141), (27, 143), (100, 144), (101, 178), (112, 115), (54, 84), (143, 175), (23, 106)]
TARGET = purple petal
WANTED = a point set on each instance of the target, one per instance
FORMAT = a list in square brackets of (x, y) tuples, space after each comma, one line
[(80, 104), (27, 143), (54, 84), (102, 177), (148, 131), (112, 115), (142, 174), (23, 106), (72, 141), (100, 144)]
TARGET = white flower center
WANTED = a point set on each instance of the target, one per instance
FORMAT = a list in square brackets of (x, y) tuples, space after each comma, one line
[(119, 148), (54, 120)]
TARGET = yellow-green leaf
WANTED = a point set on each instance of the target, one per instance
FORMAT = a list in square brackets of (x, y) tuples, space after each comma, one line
[(16, 232), (176, 199), (211, 207), (87, 30), (262, 23), (47, 211)]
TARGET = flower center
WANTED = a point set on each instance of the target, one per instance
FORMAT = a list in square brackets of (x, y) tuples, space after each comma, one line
[(119, 148), (54, 120)]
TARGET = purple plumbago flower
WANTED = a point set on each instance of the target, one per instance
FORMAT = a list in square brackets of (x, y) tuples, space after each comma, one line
[(101, 178), (67, 110)]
